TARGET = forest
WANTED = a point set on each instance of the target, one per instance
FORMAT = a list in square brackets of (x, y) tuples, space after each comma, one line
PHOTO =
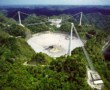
[(62, 73)]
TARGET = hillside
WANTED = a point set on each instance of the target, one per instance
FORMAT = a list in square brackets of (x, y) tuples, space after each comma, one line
[(96, 15), (47, 73)]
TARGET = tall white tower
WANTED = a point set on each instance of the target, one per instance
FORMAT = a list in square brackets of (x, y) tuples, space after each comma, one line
[(19, 16), (80, 23), (71, 35)]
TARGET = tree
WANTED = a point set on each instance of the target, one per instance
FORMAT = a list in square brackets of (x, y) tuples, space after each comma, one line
[(16, 30)]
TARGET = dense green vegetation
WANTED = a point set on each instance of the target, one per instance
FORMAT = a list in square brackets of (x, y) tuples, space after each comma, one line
[(38, 21), (63, 73), (98, 57), (6, 20), (40, 58), (16, 30), (94, 48), (65, 27)]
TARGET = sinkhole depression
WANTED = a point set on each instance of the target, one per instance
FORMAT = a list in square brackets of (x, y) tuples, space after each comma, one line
[(54, 44)]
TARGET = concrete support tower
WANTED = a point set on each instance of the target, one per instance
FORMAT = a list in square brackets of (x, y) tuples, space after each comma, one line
[(19, 16), (80, 23), (71, 36)]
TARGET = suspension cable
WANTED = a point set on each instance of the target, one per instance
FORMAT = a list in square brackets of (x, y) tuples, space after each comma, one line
[(84, 50)]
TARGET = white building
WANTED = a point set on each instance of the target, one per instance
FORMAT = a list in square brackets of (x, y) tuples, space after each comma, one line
[(94, 80), (55, 22)]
